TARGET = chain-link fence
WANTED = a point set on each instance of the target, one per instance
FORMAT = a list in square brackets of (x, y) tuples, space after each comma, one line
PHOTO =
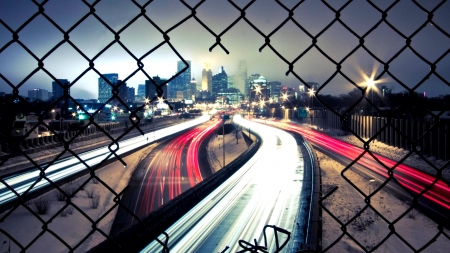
[(33, 199)]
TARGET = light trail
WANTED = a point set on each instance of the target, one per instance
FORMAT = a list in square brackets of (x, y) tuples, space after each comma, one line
[(265, 190), (21, 182), (163, 179), (410, 178)]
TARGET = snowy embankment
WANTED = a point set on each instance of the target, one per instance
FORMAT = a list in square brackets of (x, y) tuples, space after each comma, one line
[(369, 229)]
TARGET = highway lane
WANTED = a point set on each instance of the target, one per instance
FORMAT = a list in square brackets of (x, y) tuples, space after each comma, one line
[(168, 171), (265, 191), (30, 180), (412, 179)]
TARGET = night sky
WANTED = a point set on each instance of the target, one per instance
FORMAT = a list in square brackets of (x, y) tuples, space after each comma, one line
[(192, 41)]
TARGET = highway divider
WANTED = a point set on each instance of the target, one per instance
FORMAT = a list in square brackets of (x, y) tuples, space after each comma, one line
[(138, 236)]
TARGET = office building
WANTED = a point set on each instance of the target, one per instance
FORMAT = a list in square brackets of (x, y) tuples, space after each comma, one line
[(61, 88), (131, 94), (151, 89), (207, 78), (219, 81), (141, 91), (259, 89), (192, 89), (181, 82), (240, 78), (38, 94), (105, 83), (275, 89)]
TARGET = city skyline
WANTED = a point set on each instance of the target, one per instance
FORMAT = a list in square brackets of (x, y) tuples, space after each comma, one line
[(192, 42)]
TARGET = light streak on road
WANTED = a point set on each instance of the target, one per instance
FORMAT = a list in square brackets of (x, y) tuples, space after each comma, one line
[(163, 176), (264, 191), (411, 178), (22, 181)]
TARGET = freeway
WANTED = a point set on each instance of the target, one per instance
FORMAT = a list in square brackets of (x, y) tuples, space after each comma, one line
[(436, 198), (172, 168), (266, 190), (31, 180)]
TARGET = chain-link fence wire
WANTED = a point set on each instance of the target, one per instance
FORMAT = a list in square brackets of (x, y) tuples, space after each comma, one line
[(135, 120)]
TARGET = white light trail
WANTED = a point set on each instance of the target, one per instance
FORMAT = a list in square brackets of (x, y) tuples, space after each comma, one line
[(68, 166)]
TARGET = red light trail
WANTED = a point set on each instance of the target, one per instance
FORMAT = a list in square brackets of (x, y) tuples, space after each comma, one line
[(174, 169), (410, 178)]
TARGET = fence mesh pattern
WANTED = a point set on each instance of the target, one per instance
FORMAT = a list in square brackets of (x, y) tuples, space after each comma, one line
[(15, 147)]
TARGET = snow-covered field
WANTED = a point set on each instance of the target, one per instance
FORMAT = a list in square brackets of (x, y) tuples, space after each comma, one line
[(370, 229), (397, 154), (73, 227), (232, 149)]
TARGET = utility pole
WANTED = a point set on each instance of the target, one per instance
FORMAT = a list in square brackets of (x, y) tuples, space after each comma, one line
[(223, 139)]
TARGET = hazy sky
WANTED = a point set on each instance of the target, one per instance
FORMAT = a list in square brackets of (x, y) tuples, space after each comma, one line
[(192, 41)]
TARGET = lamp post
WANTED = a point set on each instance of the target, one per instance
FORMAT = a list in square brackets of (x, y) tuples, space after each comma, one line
[(312, 95), (223, 139), (371, 87)]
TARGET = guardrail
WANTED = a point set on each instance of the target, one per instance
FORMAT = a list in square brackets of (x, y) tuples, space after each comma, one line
[(139, 235)]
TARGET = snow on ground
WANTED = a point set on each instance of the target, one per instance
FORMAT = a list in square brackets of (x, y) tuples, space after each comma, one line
[(370, 229), (397, 154), (233, 149), (72, 228)]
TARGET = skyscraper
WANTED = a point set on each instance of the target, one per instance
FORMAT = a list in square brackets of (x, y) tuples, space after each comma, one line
[(141, 91), (150, 88), (193, 89), (240, 78), (130, 94), (220, 81), (59, 89), (104, 88), (207, 78), (123, 92), (275, 89), (181, 82)]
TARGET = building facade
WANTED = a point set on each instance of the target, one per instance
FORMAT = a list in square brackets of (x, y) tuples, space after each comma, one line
[(141, 91), (131, 95), (59, 87), (207, 78), (181, 82), (105, 83), (38, 94), (275, 89), (219, 81), (151, 90)]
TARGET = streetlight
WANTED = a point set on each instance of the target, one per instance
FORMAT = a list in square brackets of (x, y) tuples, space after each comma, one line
[(311, 95), (371, 86)]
